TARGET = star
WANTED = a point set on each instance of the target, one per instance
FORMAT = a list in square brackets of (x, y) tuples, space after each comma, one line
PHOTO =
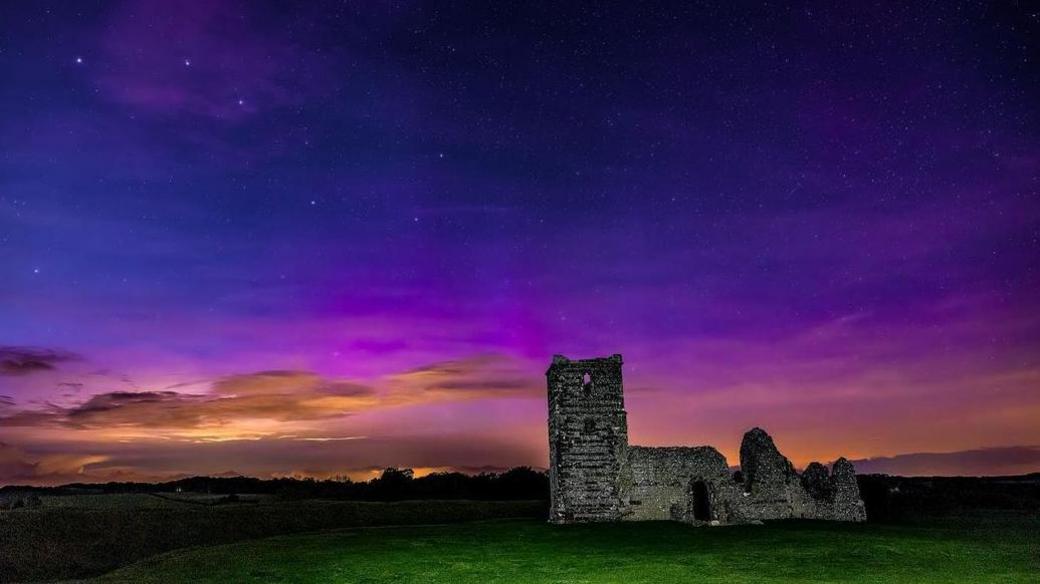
[(36, 270), (187, 62), (241, 102), (79, 60)]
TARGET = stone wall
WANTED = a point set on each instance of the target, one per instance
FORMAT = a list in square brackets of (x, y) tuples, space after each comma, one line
[(679, 483)]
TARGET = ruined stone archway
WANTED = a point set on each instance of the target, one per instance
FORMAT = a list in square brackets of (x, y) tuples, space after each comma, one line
[(700, 501)]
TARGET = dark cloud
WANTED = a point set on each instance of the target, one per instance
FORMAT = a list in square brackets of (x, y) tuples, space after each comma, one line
[(27, 360), (156, 408), (1007, 460)]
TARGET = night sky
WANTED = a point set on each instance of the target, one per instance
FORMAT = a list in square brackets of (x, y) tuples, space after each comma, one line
[(316, 239)]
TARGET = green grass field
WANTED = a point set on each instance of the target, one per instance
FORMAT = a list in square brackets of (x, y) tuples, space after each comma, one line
[(141, 500), (1004, 548), (81, 536)]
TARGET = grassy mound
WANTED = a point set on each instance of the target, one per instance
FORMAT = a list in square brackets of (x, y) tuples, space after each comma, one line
[(986, 549)]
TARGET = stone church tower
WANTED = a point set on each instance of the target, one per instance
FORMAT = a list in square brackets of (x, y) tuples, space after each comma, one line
[(588, 439)]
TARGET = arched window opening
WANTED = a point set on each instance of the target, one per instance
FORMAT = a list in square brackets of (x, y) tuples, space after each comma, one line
[(701, 502)]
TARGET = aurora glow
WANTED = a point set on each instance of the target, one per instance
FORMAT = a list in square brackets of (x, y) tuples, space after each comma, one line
[(239, 237)]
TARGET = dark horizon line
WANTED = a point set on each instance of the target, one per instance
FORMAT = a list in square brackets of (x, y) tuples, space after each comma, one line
[(1029, 476)]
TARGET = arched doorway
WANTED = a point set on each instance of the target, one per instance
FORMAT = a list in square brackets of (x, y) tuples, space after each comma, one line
[(700, 501)]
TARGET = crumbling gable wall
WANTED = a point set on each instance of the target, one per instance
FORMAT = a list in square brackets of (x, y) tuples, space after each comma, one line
[(775, 489), (843, 502)]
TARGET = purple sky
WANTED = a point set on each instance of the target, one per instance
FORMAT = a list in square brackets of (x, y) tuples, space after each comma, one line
[(277, 239)]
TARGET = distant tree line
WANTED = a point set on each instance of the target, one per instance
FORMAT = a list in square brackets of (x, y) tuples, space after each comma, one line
[(887, 498), (895, 498), (394, 484)]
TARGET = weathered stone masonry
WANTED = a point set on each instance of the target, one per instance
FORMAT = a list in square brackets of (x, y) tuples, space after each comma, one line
[(595, 475), (588, 439)]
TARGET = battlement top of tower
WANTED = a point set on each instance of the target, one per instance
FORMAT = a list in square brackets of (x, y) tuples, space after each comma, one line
[(561, 361)]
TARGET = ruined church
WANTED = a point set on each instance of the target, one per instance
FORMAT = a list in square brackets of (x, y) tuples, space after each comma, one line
[(595, 475)]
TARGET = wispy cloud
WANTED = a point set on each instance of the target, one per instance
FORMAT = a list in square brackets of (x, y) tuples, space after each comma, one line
[(233, 405), (27, 360), (273, 403), (474, 377)]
